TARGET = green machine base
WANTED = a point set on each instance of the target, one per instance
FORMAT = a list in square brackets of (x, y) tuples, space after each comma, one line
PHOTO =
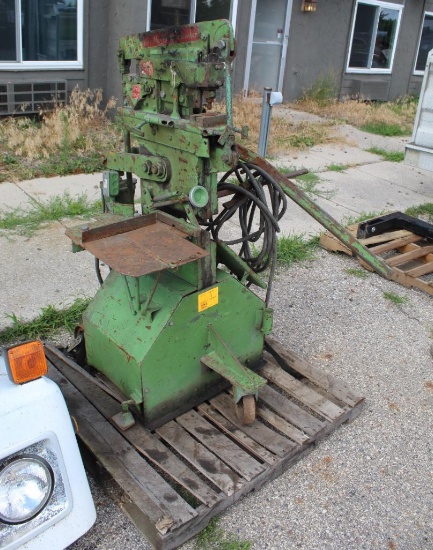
[(182, 347)]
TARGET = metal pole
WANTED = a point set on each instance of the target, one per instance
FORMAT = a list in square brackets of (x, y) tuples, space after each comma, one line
[(265, 122)]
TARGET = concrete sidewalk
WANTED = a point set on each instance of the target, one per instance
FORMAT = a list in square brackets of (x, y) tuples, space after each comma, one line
[(41, 270)]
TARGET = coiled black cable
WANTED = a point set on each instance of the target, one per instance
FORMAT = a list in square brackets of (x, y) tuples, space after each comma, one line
[(260, 203)]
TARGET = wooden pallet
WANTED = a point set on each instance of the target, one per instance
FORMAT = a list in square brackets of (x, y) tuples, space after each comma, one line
[(409, 255), (176, 478)]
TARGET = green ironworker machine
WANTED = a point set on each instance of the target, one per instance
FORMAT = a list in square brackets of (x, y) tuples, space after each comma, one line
[(175, 321)]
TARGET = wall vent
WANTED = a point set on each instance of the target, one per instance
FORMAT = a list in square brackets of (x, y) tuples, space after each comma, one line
[(25, 96)]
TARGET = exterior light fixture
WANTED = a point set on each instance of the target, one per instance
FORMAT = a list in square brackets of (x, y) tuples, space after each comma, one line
[(309, 5)]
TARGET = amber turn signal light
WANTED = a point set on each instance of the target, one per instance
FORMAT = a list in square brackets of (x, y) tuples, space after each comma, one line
[(26, 362)]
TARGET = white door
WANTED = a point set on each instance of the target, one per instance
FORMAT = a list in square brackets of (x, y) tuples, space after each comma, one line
[(267, 47)]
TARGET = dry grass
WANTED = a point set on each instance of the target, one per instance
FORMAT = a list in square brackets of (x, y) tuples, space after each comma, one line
[(67, 139), (400, 113), (285, 135)]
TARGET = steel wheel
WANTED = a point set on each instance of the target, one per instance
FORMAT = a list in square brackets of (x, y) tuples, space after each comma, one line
[(246, 410)]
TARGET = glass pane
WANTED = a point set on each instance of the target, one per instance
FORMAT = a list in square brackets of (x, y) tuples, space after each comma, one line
[(49, 30), (362, 36), (8, 48), (269, 23), (426, 43), (265, 65), (169, 13), (208, 10), (385, 38)]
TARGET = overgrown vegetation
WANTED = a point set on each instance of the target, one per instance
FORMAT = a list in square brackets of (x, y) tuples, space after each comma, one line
[(424, 211), (285, 134), (395, 298), (67, 140), (45, 325), (214, 538), (393, 118), (392, 156), (295, 248), (57, 208)]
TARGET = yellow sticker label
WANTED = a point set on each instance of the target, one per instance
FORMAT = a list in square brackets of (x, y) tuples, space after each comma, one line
[(208, 299)]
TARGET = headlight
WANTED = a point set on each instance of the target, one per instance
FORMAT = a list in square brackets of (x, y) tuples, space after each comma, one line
[(26, 484)]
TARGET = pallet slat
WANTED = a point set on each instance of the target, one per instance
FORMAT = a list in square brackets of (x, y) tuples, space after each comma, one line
[(418, 252), (207, 440), (299, 391), (143, 441), (220, 444), (201, 458), (259, 432)]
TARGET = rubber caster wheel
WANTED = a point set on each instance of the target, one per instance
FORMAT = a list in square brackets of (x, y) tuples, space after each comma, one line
[(246, 410)]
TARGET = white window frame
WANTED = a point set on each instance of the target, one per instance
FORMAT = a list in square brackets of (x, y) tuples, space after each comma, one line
[(233, 13), (415, 72), (374, 70), (45, 65)]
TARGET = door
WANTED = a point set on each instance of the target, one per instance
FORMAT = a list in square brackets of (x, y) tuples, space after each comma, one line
[(266, 54)]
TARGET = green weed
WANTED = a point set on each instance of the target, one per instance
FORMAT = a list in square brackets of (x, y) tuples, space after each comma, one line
[(384, 129), (363, 216), (310, 184), (360, 273), (324, 90), (337, 167), (295, 248), (392, 156), (214, 538), (46, 324), (425, 210), (57, 208), (395, 298)]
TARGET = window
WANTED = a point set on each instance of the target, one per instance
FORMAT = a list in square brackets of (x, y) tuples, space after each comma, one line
[(41, 34), (425, 43), (168, 13), (374, 35)]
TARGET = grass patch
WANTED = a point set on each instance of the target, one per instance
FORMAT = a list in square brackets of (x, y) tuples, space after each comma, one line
[(285, 134), (422, 210), (310, 184), (395, 298), (214, 538), (295, 248), (360, 273), (57, 208), (66, 140), (390, 117), (324, 89), (337, 167), (383, 129), (363, 216), (392, 156), (50, 321)]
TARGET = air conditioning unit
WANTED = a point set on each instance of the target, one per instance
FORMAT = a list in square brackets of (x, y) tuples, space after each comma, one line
[(25, 96)]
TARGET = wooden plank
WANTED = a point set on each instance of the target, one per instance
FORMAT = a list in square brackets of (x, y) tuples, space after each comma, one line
[(135, 476), (201, 458), (290, 411), (259, 432), (238, 459), (282, 425), (420, 270), (144, 442), (397, 243), (299, 391), (409, 282), (385, 237), (326, 381), (225, 425), (418, 252)]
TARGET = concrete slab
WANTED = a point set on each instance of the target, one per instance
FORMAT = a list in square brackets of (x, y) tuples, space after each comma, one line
[(43, 189), (366, 193), (343, 154), (403, 176), (42, 271), (11, 196)]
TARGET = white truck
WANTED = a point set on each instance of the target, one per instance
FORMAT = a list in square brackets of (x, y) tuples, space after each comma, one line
[(45, 500)]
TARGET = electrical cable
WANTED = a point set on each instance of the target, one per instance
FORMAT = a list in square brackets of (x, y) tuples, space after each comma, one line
[(260, 203)]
